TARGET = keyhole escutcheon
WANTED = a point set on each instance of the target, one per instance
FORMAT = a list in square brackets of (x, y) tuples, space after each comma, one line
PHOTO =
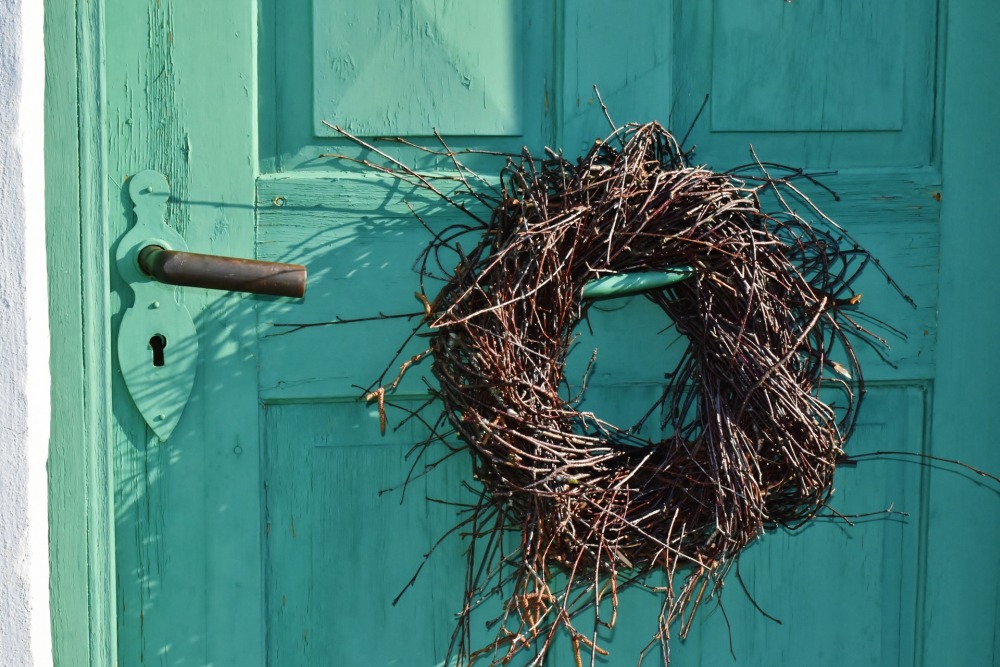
[(157, 343)]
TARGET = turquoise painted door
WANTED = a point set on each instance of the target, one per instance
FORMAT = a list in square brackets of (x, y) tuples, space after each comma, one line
[(257, 533)]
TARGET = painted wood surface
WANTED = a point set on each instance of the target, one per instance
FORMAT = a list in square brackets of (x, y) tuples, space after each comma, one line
[(796, 81), (474, 50), (367, 255), (820, 585), (963, 543), (292, 136), (180, 88), (257, 534), (81, 527), (359, 238)]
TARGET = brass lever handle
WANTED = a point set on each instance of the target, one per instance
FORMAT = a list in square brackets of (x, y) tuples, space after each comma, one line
[(190, 269)]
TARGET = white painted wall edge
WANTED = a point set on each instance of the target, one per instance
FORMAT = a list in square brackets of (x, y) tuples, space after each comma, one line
[(31, 140), (25, 406)]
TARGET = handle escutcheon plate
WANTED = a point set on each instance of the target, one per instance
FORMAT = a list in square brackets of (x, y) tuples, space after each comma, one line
[(159, 380)]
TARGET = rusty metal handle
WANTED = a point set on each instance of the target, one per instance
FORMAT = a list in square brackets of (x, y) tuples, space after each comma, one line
[(190, 269)]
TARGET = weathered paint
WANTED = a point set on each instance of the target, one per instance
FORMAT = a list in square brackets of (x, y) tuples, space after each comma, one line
[(159, 382), (762, 49), (180, 82), (231, 547), (292, 136), (68, 472), (366, 258), (359, 238), (963, 555), (479, 68), (81, 507)]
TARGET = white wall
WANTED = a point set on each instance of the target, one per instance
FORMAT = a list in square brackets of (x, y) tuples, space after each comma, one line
[(24, 342)]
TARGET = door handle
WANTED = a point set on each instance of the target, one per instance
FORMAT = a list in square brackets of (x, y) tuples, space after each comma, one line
[(626, 284), (190, 269), (157, 338)]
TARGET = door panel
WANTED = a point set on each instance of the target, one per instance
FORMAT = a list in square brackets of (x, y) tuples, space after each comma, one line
[(842, 595), (468, 55), (257, 533), (361, 240), (481, 77), (625, 48), (864, 41), (842, 85), (339, 552)]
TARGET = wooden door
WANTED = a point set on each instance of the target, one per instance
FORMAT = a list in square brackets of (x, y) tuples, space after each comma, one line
[(257, 534)]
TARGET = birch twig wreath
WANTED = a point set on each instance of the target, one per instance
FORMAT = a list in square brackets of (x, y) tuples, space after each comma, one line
[(767, 308)]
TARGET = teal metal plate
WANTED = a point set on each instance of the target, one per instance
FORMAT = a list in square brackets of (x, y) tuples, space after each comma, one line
[(157, 341)]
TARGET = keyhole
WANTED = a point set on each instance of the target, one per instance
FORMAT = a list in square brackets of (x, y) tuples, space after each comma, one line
[(158, 342)]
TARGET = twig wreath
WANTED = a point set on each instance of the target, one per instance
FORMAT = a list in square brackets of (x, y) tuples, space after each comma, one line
[(767, 309)]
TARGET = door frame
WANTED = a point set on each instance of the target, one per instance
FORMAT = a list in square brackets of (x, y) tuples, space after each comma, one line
[(81, 496)]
